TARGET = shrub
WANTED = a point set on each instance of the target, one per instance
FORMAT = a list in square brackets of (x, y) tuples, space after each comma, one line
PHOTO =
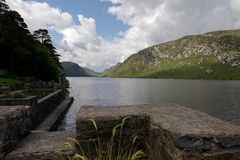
[(17, 94)]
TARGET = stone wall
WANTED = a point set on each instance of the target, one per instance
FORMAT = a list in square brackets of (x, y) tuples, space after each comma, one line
[(35, 85), (174, 132), (46, 105), (15, 123), (39, 108), (29, 101)]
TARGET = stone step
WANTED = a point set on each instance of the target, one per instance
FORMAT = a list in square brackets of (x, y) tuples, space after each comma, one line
[(42, 146), (52, 121)]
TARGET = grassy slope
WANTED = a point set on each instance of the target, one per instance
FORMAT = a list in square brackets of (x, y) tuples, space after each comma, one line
[(5, 79), (153, 63)]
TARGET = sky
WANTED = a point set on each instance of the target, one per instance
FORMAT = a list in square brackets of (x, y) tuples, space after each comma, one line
[(100, 33)]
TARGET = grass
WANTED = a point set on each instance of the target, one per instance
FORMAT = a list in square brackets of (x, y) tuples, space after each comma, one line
[(180, 58), (28, 93), (17, 94), (38, 92), (187, 68), (9, 81), (116, 149)]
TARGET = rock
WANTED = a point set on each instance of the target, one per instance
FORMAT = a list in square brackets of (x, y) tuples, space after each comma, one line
[(4, 89), (27, 85)]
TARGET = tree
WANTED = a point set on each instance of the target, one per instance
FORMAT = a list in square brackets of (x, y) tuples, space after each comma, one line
[(3, 6), (44, 38), (42, 35), (23, 54)]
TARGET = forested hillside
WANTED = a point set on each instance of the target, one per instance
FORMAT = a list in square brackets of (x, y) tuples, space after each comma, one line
[(22, 53), (71, 69)]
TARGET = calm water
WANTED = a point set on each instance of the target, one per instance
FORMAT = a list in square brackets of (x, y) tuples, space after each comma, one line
[(218, 98)]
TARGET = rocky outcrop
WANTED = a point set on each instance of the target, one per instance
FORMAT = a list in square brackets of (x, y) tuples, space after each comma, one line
[(174, 132)]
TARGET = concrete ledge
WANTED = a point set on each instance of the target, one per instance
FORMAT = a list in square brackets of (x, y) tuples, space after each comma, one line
[(42, 145), (175, 132), (52, 121), (46, 105), (15, 123), (28, 101)]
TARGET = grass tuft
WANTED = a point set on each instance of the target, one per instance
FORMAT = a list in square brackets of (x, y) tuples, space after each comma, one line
[(116, 149)]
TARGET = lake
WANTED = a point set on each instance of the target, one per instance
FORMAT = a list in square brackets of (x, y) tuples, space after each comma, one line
[(218, 98)]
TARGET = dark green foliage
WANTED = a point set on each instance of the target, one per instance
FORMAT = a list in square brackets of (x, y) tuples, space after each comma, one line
[(17, 94), (3, 6), (21, 53), (43, 36)]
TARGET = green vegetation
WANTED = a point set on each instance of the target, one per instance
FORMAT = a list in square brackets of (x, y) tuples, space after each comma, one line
[(71, 69), (7, 81), (40, 93), (116, 148), (214, 55), (23, 54), (17, 94)]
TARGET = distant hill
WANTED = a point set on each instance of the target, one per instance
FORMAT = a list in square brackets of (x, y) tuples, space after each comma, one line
[(106, 72), (91, 72), (214, 55), (74, 70)]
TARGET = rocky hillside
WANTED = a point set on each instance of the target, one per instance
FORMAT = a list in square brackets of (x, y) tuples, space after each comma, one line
[(214, 55), (71, 69)]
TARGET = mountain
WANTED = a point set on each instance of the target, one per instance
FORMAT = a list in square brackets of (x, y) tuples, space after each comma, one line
[(91, 73), (74, 70), (106, 72), (214, 55)]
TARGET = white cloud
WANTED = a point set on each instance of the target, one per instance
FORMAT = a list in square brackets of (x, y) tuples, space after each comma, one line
[(40, 15), (149, 21), (161, 20)]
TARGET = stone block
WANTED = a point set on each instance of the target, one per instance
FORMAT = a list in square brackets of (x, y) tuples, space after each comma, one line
[(15, 123), (174, 132)]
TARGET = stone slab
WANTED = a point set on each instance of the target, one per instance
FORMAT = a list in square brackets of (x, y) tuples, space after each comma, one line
[(42, 146), (175, 132)]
